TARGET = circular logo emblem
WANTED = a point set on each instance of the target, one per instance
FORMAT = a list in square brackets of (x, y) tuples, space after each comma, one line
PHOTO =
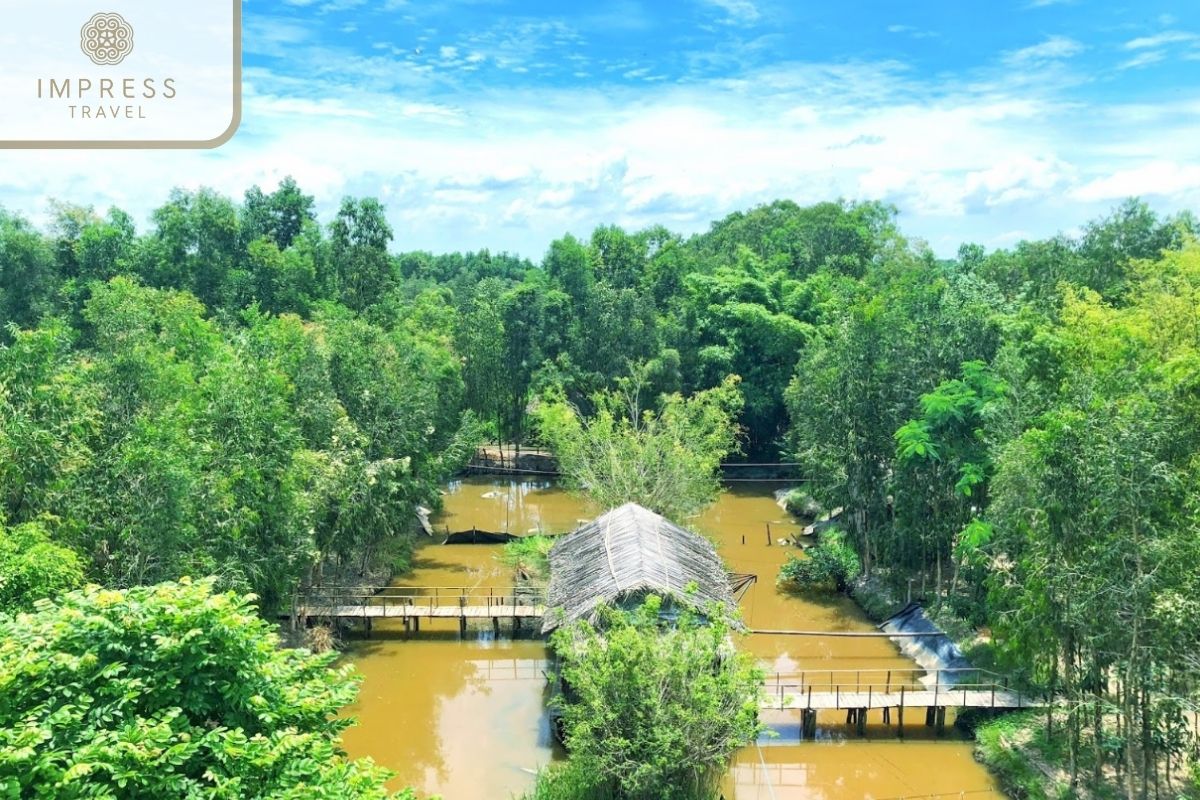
[(106, 39)]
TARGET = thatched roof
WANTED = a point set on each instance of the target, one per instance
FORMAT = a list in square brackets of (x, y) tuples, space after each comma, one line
[(627, 552)]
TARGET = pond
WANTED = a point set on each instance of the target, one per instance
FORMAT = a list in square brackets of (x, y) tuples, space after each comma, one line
[(465, 717)]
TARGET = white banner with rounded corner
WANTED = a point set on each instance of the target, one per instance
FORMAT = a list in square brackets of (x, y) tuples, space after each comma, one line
[(120, 73)]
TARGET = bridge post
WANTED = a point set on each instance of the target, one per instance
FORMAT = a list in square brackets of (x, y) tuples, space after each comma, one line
[(808, 724), (861, 721), (900, 726)]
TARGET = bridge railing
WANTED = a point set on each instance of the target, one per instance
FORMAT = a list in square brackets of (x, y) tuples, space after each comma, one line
[(320, 599), (887, 683)]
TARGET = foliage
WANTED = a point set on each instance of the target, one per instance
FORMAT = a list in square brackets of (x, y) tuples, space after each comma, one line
[(240, 390), (528, 556), (654, 711), (995, 744), (832, 562), (168, 444), (568, 781), (667, 460), (169, 691), (32, 567)]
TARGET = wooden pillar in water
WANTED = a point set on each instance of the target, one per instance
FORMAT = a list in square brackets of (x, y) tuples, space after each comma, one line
[(900, 721), (496, 626), (808, 724), (941, 720), (462, 627), (930, 714)]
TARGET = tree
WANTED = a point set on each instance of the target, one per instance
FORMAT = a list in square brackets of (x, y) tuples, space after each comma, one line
[(359, 239), (654, 712), (32, 567), (28, 273), (279, 216), (169, 691), (667, 461)]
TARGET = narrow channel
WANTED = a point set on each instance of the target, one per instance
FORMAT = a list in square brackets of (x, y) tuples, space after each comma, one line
[(466, 719)]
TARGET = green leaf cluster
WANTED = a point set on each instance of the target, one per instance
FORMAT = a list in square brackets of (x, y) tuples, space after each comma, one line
[(650, 709), (171, 690)]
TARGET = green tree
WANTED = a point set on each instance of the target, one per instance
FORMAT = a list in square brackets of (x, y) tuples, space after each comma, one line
[(169, 691), (667, 461), (279, 216), (654, 712), (359, 238), (32, 567)]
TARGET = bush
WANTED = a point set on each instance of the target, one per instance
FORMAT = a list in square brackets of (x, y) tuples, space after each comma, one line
[(169, 691), (32, 567), (654, 712), (832, 562), (568, 782), (529, 556)]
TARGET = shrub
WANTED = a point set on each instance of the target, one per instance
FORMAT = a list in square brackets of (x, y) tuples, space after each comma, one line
[(529, 556), (32, 567), (654, 711), (832, 562)]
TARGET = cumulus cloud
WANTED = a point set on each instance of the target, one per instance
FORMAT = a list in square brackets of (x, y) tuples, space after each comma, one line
[(516, 164)]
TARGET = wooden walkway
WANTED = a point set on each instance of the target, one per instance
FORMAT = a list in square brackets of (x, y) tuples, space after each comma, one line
[(413, 604), (859, 692)]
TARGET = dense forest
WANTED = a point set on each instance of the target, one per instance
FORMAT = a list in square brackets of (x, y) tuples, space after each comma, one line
[(244, 392)]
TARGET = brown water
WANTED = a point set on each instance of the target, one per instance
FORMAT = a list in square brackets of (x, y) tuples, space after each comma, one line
[(466, 718)]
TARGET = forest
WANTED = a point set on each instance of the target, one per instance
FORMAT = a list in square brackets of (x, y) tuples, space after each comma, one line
[(241, 391)]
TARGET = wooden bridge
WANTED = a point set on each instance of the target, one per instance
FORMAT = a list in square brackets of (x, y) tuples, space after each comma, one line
[(413, 604), (858, 692)]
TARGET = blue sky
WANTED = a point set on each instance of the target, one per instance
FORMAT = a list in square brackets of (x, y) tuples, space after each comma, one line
[(486, 123)]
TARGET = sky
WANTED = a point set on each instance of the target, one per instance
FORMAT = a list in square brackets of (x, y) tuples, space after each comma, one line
[(503, 124)]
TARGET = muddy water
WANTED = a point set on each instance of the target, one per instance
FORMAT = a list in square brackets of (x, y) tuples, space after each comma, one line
[(466, 719)]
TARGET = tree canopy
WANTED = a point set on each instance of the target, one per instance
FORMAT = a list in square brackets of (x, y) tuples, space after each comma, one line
[(169, 691)]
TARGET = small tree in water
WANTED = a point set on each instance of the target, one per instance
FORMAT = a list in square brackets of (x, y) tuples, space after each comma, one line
[(833, 562), (654, 711), (667, 461)]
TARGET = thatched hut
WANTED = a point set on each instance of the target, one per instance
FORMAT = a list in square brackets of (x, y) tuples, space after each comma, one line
[(626, 554)]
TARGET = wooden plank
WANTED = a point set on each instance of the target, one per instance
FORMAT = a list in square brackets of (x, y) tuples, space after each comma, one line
[(826, 701), (425, 612)]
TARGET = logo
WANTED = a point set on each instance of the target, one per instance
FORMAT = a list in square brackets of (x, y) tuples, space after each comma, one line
[(106, 39), (120, 73)]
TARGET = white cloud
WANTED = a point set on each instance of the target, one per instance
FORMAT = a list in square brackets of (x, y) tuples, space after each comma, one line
[(1143, 59), (512, 168), (741, 12), (1160, 39), (1053, 48), (910, 30), (1152, 179)]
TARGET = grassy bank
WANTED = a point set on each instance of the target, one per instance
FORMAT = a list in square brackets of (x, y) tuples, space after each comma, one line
[(1032, 764)]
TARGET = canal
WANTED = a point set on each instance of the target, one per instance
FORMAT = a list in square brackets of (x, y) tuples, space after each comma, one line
[(466, 718)]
